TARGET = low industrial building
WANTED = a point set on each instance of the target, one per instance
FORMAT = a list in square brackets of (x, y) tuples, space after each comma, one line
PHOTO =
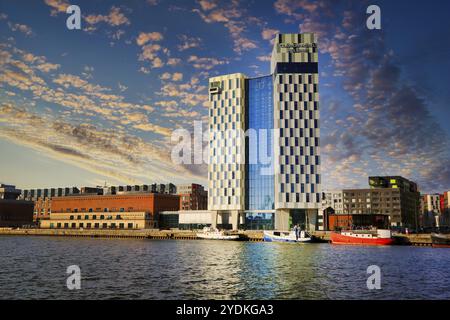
[(198, 219), (186, 219), (127, 211), (13, 212)]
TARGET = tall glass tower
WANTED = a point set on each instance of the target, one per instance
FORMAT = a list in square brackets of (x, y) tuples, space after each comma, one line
[(264, 170)]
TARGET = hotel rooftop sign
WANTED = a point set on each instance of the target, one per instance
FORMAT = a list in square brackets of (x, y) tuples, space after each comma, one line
[(297, 47), (215, 87)]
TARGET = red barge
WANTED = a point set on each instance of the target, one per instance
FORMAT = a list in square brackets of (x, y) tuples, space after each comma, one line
[(360, 237)]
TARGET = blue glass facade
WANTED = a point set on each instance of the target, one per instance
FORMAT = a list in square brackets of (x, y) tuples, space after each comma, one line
[(259, 179)]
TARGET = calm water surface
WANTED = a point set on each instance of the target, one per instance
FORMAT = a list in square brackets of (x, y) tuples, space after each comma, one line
[(35, 268)]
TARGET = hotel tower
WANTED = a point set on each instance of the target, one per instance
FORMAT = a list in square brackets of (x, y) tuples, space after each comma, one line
[(264, 168)]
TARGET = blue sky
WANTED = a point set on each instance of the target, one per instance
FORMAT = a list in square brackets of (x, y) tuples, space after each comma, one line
[(97, 105)]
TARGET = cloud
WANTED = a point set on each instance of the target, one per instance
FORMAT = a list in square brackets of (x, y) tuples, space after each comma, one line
[(188, 42), (177, 76), (150, 50), (21, 27), (122, 88), (269, 34), (144, 70), (47, 67), (205, 63), (173, 62), (88, 147), (207, 5), (145, 37), (58, 6), (114, 18), (234, 18), (263, 58)]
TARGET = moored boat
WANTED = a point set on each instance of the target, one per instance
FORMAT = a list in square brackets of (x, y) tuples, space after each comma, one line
[(440, 240), (215, 234), (286, 236), (378, 237)]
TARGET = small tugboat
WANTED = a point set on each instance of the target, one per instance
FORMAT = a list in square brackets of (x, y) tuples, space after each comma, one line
[(214, 234), (286, 236), (378, 237), (440, 240)]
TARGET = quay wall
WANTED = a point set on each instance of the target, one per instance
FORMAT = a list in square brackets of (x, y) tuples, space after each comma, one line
[(255, 236)]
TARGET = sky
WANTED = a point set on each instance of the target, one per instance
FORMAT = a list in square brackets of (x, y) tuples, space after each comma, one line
[(99, 105)]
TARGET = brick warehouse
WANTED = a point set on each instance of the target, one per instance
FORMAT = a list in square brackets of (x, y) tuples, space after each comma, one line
[(128, 211)]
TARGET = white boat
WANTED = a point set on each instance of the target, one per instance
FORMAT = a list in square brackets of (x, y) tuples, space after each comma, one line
[(215, 234), (286, 236)]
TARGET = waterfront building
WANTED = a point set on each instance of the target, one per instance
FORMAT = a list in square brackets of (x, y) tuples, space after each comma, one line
[(381, 201), (431, 210), (333, 199), (332, 202), (128, 211), (446, 207), (409, 194), (192, 197), (14, 212), (280, 115), (42, 199)]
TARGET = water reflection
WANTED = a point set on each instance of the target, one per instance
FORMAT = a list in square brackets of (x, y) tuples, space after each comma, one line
[(35, 267)]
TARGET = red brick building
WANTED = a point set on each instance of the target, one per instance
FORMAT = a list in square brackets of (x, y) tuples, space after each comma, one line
[(152, 203), (124, 211), (193, 197)]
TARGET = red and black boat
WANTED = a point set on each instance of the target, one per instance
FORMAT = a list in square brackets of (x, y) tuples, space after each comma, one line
[(378, 237)]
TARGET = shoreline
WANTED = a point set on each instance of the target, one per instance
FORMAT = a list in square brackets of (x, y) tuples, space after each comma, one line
[(156, 234), (152, 234)]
